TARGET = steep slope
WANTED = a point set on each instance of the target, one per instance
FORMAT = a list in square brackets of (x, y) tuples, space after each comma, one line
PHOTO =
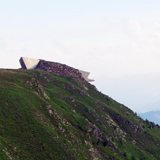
[(45, 116)]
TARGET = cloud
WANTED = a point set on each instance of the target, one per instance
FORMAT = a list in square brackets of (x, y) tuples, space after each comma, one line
[(134, 26), (156, 26)]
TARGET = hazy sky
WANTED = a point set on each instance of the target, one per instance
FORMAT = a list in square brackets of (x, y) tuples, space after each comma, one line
[(111, 39)]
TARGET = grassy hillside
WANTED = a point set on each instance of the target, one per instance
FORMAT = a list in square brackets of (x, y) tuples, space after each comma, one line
[(44, 116)]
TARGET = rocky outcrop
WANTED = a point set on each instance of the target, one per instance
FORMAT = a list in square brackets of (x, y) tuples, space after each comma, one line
[(59, 69), (37, 87)]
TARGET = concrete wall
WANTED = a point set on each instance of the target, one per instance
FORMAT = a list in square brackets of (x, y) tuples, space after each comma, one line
[(28, 63), (85, 75)]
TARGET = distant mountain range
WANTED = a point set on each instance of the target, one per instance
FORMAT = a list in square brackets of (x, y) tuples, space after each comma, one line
[(153, 116)]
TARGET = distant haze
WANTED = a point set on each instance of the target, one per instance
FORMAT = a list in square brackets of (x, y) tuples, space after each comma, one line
[(153, 116), (117, 41), (140, 92)]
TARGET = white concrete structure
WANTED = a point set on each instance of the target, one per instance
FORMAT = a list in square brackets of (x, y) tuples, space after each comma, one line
[(85, 75), (28, 63)]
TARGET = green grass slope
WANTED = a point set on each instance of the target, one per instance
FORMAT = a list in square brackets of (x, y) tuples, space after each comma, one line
[(47, 117)]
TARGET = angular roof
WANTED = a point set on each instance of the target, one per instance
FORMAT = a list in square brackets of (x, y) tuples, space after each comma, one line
[(85, 75), (28, 63)]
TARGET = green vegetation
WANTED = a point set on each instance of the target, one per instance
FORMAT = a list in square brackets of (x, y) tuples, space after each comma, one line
[(44, 116)]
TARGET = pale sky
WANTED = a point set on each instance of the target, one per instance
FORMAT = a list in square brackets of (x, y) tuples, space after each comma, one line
[(111, 39)]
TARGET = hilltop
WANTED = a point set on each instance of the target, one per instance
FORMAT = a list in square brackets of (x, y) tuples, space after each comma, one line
[(48, 116)]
